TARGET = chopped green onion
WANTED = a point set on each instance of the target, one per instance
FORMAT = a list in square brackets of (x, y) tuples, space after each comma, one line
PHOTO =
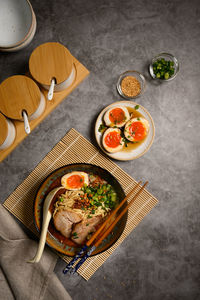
[(163, 69), (102, 127)]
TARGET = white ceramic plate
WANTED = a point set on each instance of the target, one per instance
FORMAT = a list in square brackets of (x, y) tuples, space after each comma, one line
[(26, 42), (15, 22), (142, 148)]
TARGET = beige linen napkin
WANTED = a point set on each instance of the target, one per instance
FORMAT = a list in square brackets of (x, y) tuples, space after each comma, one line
[(22, 280)]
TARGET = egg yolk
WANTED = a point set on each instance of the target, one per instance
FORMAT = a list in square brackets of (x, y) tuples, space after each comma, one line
[(137, 130), (75, 181), (117, 116), (113, 139)]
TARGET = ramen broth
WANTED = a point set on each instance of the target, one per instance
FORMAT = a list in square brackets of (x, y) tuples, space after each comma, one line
[(52, 230)]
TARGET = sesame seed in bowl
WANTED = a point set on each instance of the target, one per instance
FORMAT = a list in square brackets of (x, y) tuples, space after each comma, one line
[(131, 84)]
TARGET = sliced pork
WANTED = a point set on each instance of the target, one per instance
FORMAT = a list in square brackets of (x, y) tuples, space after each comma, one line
[(63, 221), (82, 229)]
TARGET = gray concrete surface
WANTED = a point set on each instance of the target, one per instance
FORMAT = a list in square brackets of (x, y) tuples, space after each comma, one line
[(160, 259)]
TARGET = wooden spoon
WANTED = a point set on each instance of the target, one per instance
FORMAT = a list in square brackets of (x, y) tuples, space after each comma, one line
[(47, 214)]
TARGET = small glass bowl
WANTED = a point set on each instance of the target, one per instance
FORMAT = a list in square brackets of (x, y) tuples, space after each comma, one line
[(168, 57), (135, 74)]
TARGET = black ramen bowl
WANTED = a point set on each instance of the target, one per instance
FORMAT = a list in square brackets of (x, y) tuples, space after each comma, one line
[(54, 238)]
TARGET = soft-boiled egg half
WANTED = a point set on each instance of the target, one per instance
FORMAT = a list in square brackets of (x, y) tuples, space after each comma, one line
[(116, 116), (112, 140), (74, 180), (136, 129)]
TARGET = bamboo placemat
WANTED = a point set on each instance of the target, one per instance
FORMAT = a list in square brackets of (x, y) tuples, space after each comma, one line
[(74, 148)]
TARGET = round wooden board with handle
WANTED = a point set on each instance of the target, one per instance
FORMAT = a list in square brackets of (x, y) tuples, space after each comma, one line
[(18, 93), (4, 129), (50, 60)]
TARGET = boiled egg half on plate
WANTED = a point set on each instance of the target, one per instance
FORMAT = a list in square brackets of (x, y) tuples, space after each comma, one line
[(117, 116), (112, 140), (136, 129), (74, 180)]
